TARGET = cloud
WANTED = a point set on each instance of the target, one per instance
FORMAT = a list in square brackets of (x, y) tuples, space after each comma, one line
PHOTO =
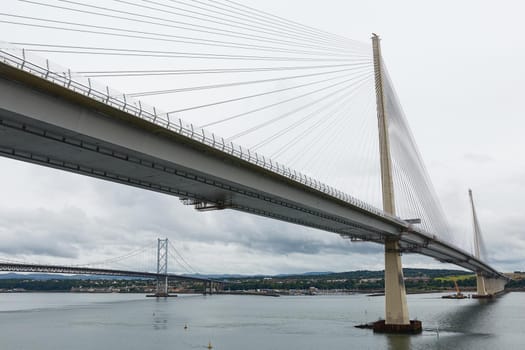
[(43, 232), (463, 120), (506, 246), (65, 218), (478, 158), (74, 219)]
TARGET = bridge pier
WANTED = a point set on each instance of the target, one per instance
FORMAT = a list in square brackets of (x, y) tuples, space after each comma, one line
[(208, 287), (396, 310), (487, 287)]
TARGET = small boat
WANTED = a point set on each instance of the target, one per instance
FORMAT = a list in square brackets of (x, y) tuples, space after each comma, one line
[(454, 296), (457, 295)]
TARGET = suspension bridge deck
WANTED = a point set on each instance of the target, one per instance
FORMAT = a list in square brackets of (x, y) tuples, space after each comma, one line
[(77, 270)]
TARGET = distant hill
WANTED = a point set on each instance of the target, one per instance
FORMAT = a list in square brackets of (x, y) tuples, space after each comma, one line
[(46, 277), (230, 276), (408, 272), (325, 275)]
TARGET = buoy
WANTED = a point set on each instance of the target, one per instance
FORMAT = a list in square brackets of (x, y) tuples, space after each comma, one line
[(209, 345), (185, 326)]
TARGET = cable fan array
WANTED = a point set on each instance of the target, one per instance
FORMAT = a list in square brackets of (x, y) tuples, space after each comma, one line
[(296, 94), (415, 196), (299, 95)]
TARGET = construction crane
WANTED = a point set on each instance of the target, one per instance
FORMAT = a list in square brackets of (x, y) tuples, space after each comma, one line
[(457, 295)]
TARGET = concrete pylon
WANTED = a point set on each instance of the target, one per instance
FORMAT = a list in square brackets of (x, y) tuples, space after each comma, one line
[(481, 289), (396, 311), (486, 287)]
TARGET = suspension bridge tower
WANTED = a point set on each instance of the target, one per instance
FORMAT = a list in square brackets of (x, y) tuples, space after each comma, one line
[(396, 310), (162, 268)]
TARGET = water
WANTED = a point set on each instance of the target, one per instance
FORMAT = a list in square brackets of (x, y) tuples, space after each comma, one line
[(121, 321)]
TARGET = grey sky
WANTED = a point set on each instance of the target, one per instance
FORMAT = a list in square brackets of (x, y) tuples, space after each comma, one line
[(457, 68)]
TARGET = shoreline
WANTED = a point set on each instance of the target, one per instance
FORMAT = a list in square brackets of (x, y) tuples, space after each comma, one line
[(370, 293)]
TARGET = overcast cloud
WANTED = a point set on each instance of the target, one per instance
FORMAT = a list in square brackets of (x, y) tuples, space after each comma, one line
[(458, 70)]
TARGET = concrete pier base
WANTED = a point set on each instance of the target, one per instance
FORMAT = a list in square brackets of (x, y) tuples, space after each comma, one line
[(161, 295), (414, 327)]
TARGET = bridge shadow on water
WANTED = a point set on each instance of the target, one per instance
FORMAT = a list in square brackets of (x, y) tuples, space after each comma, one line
[(456, 329)]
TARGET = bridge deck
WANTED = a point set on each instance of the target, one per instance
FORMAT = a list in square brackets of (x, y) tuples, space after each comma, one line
[(75, 270), (47, 123)]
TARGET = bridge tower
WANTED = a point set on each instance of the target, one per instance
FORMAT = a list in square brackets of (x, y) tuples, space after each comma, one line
[(396, 310), (486, 287), (480, 281), (162, 268)]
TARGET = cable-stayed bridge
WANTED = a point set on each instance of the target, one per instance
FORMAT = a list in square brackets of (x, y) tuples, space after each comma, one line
[(291, 93)]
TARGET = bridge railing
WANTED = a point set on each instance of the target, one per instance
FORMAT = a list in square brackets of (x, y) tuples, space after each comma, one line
[(45, 69)]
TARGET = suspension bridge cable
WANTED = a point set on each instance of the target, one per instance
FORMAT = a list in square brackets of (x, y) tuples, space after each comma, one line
[(228, 24), (285, 115), (414, 204), (293, 126), (218, 20), (246, 15), (13, 261), (366, 150), (404, 208), (179, 263), (167, 54), (245, 22), (319, 133), (181, 257), (311, 128), (420, 183), (258, 95), (275, 104), (327, 117), (189, 26), (327, 132), (215, 86), (346, 142), (166, 72), (405, 150), (413, 201), (417, 187), (330, 133), (158, 36), (265, 21), (307, 28), (128, 255)]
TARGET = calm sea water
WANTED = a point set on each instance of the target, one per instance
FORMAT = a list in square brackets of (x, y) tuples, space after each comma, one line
[(119, 321)]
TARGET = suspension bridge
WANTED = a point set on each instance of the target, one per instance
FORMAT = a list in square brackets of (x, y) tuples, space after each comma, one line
[(322, 104), (164, 250)]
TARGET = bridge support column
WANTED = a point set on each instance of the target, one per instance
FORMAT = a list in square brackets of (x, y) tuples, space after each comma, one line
[(208, 287), (487, 287), (396, 310), (481, 290)]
